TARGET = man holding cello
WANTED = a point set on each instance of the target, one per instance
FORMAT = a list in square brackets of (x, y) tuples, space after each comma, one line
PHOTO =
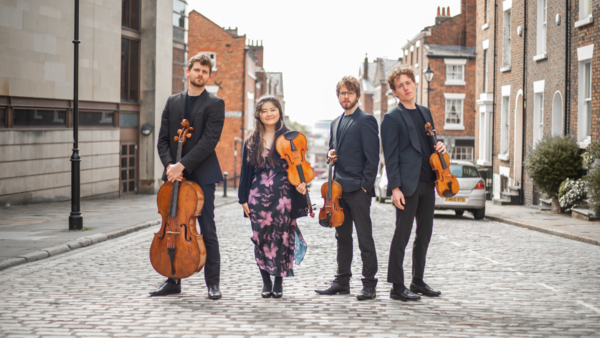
[(354, 145), (407, 150), (199, 163)]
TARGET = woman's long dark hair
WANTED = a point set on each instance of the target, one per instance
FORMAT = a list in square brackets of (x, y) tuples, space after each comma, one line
[(255, 143)]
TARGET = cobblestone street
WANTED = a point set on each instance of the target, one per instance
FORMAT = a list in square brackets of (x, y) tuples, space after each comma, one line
[(496, 280)]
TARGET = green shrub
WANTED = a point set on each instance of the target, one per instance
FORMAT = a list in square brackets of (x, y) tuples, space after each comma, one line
[(592, 180), (554, 159), (592, 153), (570, 192)]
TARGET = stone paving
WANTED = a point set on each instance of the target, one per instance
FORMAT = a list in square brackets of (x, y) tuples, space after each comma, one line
[(497, 280)]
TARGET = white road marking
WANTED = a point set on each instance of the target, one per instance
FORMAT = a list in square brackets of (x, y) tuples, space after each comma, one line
[(588, 306), (548, 287)]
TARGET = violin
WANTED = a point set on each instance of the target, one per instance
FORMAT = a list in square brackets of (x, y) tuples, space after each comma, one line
[(178, 250), (292, 146), (331, 214), (446, 183)]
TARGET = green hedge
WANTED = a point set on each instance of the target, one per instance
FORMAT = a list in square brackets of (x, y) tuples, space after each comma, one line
[(554, 159)]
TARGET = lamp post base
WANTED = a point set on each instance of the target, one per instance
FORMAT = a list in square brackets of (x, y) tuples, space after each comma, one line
[(75, 221)]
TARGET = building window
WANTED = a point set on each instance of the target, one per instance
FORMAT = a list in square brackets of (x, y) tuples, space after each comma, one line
[(180, 23), (455, 72), (538, 117), (585, 8), (130, 16), (542, 15), (506, 48), (130, 70), (505, 125), (40, 118), (557, 114), (97, 119), (128, 120), (486, 67), (485, 136), (462, 153), (585, 105), (2, 118), (486, 14), (454, 111)]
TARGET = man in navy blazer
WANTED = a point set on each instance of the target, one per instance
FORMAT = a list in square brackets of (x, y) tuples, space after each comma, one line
[(199, 163), (411, 182), (354, 145)]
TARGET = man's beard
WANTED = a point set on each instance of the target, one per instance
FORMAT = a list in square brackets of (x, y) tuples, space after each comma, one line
[(346, 105), (200, 83)]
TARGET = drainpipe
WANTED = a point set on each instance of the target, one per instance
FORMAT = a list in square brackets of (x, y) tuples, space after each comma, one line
[(523, 151), (567, 70), (494, 80)]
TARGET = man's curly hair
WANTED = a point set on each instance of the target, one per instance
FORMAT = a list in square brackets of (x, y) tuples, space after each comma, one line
[(402, 69)]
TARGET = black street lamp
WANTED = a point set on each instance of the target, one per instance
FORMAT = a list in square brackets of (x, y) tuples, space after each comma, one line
[(428, 76), (75, 218), (235, 142)]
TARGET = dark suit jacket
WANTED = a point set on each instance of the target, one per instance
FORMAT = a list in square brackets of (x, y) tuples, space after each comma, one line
[(198, 155), (401, 148), (357, 150)]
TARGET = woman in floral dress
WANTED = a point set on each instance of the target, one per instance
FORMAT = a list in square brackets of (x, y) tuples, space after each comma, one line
[(270, 201)]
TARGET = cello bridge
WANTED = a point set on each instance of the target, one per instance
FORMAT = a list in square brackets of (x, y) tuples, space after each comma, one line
[(173, 232)]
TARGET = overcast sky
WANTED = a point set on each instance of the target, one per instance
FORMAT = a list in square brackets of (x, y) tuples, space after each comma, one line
[(315, 43)]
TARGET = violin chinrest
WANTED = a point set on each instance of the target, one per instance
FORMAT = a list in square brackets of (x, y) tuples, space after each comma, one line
[(290, 135)]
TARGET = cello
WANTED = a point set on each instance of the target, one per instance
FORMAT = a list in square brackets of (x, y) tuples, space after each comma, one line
[(331, 214), (292, 146), (177, 250), (446, 183)]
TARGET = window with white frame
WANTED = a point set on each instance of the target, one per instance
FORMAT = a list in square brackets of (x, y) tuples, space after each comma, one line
[(485, 135), (454, 111), (538, 117), (505, 124), (486, 17), (584, 116), (506, 42), (542, 28), (486, 62), (455, 72), (585, 8), (462, 153)]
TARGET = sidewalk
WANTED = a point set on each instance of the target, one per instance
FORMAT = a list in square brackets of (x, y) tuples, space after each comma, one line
[(556, 224), (36, 231)]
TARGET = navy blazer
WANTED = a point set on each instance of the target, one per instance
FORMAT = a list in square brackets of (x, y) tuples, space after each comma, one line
[(357, 150), (198, 154), (401, 148)]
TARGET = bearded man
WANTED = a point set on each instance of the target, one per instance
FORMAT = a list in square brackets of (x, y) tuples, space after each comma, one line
[(199, 163), (354, 145)]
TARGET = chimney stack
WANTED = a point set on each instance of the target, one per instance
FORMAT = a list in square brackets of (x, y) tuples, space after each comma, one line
[(443, 11), (448, 10), (438, 11)]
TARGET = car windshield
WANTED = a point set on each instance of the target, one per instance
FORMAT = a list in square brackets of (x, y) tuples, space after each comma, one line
[(464, 171)]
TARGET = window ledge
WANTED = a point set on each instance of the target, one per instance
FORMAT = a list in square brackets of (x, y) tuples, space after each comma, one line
[(455, 83), (540, 57), (485, 26), (584, 144), (504, 157), (416, 64), (454, 127), (484, 162), (505, 69), (584, 22)]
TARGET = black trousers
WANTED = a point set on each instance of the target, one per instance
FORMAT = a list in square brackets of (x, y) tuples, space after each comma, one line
[(421, 205), (357, 209), (208, 229)]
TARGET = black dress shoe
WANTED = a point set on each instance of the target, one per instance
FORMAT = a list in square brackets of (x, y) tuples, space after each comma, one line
[(335, 288), (168, 287), (368, 292), (404, 295), (266, 292), (425, 290), (277, 294), (214, 292)]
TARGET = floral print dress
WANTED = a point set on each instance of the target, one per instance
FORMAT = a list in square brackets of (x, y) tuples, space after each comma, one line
[(277, 240)]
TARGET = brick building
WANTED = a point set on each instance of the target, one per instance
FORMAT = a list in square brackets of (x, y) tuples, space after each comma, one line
[(374, 88), (448, 48), (525, 89), (238, 77)]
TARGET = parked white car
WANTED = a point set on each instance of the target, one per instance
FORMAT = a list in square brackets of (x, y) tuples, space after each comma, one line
[(470, 197), (381, 183)]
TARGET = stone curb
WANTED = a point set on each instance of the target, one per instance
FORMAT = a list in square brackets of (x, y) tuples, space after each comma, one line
[(548, 231), (81, 243)]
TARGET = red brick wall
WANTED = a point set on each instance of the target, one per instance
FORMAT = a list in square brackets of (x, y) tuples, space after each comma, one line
[(206, 36)]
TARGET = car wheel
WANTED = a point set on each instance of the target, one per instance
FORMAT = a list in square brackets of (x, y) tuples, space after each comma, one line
[(382, 200), (459, 212), (377, 198), (478, 213)]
